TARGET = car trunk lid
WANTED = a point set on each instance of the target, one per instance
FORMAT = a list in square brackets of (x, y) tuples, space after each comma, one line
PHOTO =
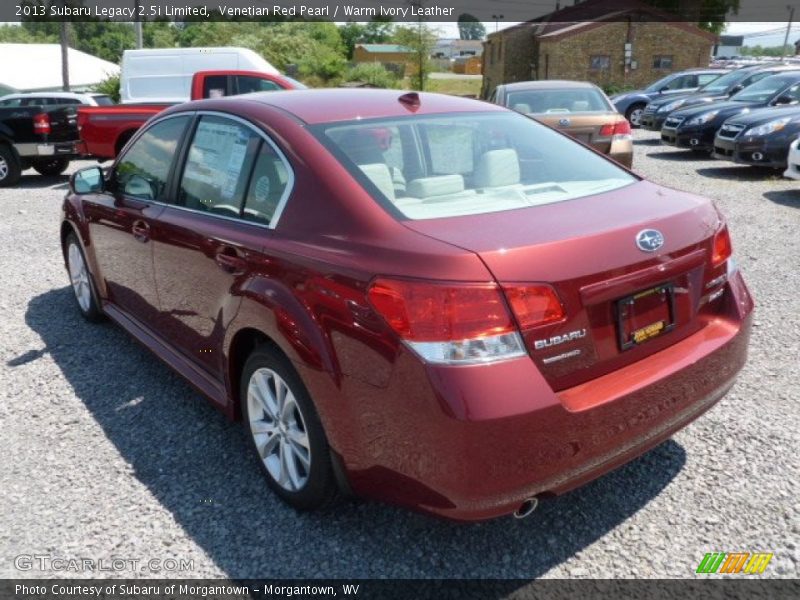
[(586, 249)]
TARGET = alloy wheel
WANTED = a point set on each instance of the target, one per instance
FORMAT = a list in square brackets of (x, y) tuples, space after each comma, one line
[(79, 277), (3, 168), (279, 430), (636, 117)]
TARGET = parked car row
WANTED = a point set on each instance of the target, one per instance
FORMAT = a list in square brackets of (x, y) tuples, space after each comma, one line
[(749, 116)]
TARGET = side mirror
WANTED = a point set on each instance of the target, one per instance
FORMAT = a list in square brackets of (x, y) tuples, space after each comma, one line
[(87, 181), (663, 89), (783, 100), (736, 89)]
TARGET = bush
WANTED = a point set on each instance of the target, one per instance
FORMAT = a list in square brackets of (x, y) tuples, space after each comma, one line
[(109, 86), (612, 88), (372, 73)]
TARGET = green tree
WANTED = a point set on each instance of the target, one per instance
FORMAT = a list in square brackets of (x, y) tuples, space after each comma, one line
[(470, 28), (377, 31), (421, 40), (109, 86)]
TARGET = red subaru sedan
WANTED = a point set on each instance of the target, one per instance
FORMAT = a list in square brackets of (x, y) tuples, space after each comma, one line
[(416, 298)]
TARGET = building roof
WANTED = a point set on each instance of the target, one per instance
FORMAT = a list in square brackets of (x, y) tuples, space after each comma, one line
[(589, 14), (33, 67), (385, 48)]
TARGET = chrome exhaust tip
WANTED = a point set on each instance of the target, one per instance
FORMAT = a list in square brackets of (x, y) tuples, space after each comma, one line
[(526, 508)]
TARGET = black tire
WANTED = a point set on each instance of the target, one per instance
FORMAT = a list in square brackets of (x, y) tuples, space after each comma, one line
[(319, 488), (90, 310), (10, 170), (51, 167), (630, 114)]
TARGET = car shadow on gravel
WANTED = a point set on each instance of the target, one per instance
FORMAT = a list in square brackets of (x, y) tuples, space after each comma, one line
[(680, 155), (647, 142), (198, 466), (786, 197), (740, 173), (33, 181)]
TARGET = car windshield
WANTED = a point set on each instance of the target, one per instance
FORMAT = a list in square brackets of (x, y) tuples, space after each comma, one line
[(654, 87), (721, 84), (761, 91), (557, 101), (437, 166)]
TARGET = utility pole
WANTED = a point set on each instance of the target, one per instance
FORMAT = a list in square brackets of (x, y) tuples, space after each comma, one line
[(496, 19), (64, 39), (137, 26), (788, 29)]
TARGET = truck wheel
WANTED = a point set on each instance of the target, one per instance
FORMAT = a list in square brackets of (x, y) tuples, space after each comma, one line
[(634, 114), (9, 167), (51, 166)]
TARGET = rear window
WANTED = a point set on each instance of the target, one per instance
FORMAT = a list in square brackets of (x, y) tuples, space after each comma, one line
[(103, 100), (557, 101), (437, 166)]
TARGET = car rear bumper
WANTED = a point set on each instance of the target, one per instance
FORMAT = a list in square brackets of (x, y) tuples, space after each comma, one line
[(471, 443), (46, 149), (756, 153)]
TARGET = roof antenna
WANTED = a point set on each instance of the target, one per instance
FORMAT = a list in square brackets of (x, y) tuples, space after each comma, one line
[(410, 101)]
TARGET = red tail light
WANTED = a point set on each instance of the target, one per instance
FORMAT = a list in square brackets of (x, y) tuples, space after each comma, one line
[(722, 247), (41, 123), (534, 305), (619, 128), (427, 312)]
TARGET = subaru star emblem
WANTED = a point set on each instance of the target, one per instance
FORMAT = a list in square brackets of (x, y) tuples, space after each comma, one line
[(649, 240), (563, 122)]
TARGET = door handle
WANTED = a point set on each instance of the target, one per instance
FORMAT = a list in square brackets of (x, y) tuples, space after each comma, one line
[(141, 231), (230, 262)]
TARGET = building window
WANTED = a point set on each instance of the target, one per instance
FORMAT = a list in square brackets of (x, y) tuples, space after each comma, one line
[(600, 62), (662, 62)]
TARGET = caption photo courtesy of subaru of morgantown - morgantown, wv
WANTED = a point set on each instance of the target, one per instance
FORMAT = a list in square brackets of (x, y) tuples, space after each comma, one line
[(400, 299)]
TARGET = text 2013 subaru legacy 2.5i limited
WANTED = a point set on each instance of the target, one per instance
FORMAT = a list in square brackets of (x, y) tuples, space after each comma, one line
[(422, 299)]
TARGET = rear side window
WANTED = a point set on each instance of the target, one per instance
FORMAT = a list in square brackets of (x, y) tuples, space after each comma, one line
[(267, 187), (143, 170), (217, 166), (103, 100), (215, 86)]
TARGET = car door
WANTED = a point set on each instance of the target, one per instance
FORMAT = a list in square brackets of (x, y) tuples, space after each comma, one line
[(209, 239), (120, 220)]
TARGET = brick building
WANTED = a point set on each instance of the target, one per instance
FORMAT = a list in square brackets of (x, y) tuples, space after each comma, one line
[(607, 42)]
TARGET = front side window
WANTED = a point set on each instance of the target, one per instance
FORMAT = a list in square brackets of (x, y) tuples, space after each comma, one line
[(467, 163), (217, 165), (762, 91), (142, 172), (600, 62), (247, 85), (706, 78)]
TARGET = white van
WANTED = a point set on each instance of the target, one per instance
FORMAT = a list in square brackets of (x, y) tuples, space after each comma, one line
[(165, 74)]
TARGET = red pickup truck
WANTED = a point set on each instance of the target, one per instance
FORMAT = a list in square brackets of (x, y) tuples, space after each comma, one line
[(104, 130)]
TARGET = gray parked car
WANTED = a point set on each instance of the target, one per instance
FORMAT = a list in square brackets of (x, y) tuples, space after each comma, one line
[(631, 104)]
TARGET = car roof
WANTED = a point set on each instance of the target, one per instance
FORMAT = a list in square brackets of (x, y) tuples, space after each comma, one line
[(47, 95), (329, 105), (548, 84)]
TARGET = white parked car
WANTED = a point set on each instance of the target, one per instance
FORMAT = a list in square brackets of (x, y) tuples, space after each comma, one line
[(53, 98), (793, 160)]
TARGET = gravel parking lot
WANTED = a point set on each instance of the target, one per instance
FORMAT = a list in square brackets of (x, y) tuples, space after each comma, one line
[(107, 453)]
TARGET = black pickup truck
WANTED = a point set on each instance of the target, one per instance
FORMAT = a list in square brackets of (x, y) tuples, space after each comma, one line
[(42, 137)]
